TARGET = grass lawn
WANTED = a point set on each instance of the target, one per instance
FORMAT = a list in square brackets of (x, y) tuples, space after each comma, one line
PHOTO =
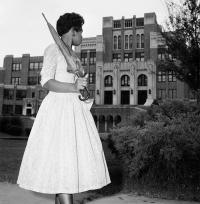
[(11, 152)]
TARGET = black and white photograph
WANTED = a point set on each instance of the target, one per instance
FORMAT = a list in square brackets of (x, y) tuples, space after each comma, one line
[(100, 102)]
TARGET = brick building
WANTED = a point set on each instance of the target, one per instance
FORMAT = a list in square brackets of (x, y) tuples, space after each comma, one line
[(123, 72)]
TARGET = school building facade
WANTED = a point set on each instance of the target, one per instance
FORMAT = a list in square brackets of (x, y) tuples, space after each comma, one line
[(123, 73)]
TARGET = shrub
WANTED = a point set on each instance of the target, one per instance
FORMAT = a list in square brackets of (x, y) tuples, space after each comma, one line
[(165, 149)]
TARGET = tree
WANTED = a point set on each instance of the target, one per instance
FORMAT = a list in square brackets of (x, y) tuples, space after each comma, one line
[(182, 35)]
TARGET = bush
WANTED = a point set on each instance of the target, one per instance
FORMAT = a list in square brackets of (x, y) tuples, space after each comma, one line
[(165, 149)]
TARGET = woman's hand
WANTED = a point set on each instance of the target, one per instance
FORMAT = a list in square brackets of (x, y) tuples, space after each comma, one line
[(81, 82)]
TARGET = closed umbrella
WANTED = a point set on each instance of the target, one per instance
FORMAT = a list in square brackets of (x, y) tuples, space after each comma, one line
[(70, 57)]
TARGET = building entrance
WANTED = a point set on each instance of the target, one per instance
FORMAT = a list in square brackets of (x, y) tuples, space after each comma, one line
[(108, 97), (125, 97), (142, 97)]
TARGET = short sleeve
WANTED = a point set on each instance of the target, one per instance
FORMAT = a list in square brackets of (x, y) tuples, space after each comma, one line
[(49, 64)]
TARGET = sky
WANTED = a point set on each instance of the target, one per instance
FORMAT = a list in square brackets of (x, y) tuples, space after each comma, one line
[(23, 30)]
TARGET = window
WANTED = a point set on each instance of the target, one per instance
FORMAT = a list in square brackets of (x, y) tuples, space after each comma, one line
[(117, 24), (16, 66), (142, 40), (128, 57), (125, 80), (142, 80), (41, 94), (108, 82), (161, 56), (161, 93), (138, 40), (161, 76), (92, 57), (126, 42), (128, 23), (18, 109), (171, 76), (7, 109), (139, 22), (35, 65), (119, 42), (91, 78), (130, 41), (139, 56), (16, 80), (20, 94), (117, 57), (172, 93), (33, 94), (84, 58), (32, 80), (115, 42), (8, 94)]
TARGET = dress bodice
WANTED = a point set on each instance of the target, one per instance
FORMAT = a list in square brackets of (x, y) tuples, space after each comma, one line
[(55, 66)]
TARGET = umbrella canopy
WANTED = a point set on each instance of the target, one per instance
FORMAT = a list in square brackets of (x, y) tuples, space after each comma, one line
[(70, 57)]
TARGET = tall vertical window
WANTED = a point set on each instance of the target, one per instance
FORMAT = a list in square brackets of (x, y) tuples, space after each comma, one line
[(130, 41), (92, 57), (35, 65), (116, 57), (16, 66), (161, 76), (20, 94), (91, 78), (171, 76), (128, 23), (125, 80), (138, 41), (108, 81), (161, 93), (119, 41), (172, 93), (115, 42), (142, 80), (142, 40), (84, 58), (139, 56), (8, 94), (16, 80), (128, 57), (126, 42)]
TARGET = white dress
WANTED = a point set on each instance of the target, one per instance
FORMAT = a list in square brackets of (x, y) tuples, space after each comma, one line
[(64, 152)]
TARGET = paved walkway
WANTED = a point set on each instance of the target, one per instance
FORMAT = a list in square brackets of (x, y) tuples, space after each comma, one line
[(13, 194)]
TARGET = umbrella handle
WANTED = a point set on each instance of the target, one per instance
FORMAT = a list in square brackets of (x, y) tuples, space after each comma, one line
[(83, 98)]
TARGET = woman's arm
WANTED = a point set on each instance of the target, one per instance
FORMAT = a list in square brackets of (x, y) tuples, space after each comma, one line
[(64, 87)]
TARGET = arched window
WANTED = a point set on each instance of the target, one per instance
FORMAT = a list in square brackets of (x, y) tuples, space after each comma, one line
[(119, 42), (125, 80), (138, 40), (142, 80), (108, 81), (101, 123), (117, 119), (109, 122), (130, 41), (126, 42), (142, 41), (115, 42)]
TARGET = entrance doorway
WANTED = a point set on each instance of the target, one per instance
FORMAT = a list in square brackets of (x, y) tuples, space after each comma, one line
[(142, 97), (108, 97), (125, 97)]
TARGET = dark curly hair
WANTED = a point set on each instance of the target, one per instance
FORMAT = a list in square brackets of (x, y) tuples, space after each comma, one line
[(68, 21)]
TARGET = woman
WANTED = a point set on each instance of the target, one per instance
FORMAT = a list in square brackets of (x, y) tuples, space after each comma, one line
[(64, 153)]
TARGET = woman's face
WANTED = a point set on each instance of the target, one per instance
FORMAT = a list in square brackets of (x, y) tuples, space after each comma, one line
[(77, 38)]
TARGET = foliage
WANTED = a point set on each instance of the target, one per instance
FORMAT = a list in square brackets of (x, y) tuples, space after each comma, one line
[(183, 41), (165, 149)]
